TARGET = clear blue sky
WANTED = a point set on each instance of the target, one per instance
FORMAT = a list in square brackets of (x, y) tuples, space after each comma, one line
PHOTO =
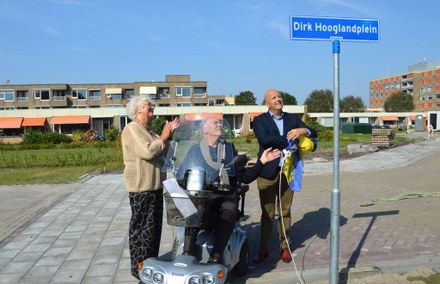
[(236, 46)]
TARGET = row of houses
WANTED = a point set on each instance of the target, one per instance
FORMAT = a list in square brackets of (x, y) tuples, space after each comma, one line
[(14, 123)]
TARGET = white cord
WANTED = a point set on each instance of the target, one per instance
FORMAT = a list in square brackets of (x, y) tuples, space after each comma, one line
[(282, 219)]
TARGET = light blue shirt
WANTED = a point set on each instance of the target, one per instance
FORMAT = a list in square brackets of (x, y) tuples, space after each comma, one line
[(280, 125), (279, 122)]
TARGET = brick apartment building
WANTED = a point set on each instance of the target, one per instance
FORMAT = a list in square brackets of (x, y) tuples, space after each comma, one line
[(422, 81), (66, 107)]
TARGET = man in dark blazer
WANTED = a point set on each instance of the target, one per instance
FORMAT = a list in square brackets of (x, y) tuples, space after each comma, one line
[(273, 129)]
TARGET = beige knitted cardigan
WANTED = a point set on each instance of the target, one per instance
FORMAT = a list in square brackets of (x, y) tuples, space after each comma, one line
[(143, 158)]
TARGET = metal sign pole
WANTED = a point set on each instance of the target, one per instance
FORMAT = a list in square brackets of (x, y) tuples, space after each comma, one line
[(334, 29), (335, 196)]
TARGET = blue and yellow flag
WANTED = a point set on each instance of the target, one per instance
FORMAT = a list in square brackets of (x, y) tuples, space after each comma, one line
[(293, 166)]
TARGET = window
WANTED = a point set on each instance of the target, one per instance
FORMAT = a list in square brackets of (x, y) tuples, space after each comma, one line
[(438, 96), (128, 94), (164, 105), (7, 108), (22, 96), (7, 95), (42, 95), (164, 93), (211, 102), (184, 92), (95, 94), (184, 104), (199, 93), (58, 95), (114, 96), (80, 94)]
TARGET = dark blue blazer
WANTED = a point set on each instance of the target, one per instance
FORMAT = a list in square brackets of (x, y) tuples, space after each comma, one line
[(268, 135)]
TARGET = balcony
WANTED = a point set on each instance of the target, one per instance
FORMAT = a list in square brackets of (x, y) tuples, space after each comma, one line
[(199, 96), (22, 99), (407, 87), (95, 98), (58, 98), (407, 79)]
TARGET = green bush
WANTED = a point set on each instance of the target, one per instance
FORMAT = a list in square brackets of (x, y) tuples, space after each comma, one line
[(78, 136), (158, 124), (111, 134), (55, 138), (32, 137), (325, 135)]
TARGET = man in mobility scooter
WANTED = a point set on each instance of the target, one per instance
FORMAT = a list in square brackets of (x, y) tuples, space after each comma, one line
[(210, 174)]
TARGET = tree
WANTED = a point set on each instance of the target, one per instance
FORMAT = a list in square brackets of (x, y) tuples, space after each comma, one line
[(288, 99), (320, 101), (352, 104), (399, 102), (245, 98)]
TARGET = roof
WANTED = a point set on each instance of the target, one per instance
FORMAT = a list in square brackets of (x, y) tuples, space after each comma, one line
[(38, 121), (79, 119), (252, 115), (10, 122), (389, 118), (201, 116)]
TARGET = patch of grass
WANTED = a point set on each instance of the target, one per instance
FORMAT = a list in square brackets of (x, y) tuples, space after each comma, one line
[(58, 157), (43, 175), (432, 279)]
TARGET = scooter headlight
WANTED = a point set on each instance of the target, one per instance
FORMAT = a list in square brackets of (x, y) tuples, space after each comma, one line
[(208, 279), (195, 280), (147, 272), (158, 277)]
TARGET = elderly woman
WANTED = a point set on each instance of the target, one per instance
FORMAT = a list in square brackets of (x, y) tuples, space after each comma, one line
[(143, 151)]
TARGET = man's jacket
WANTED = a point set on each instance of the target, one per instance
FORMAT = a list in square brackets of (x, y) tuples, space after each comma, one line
[(268, 135)]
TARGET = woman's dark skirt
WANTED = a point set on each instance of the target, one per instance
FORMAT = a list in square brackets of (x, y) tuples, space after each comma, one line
[(145, 226)]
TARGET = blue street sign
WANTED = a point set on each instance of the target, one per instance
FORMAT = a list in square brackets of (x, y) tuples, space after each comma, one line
[(322, 28)]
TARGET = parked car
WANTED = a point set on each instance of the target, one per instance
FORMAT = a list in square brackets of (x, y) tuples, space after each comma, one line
[(381, 126)]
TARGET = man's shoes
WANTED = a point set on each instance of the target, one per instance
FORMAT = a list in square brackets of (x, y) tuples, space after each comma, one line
[(261, 256), (285, 255)]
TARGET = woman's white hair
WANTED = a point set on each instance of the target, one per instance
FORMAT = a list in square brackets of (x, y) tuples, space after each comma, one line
[(134, 103)]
